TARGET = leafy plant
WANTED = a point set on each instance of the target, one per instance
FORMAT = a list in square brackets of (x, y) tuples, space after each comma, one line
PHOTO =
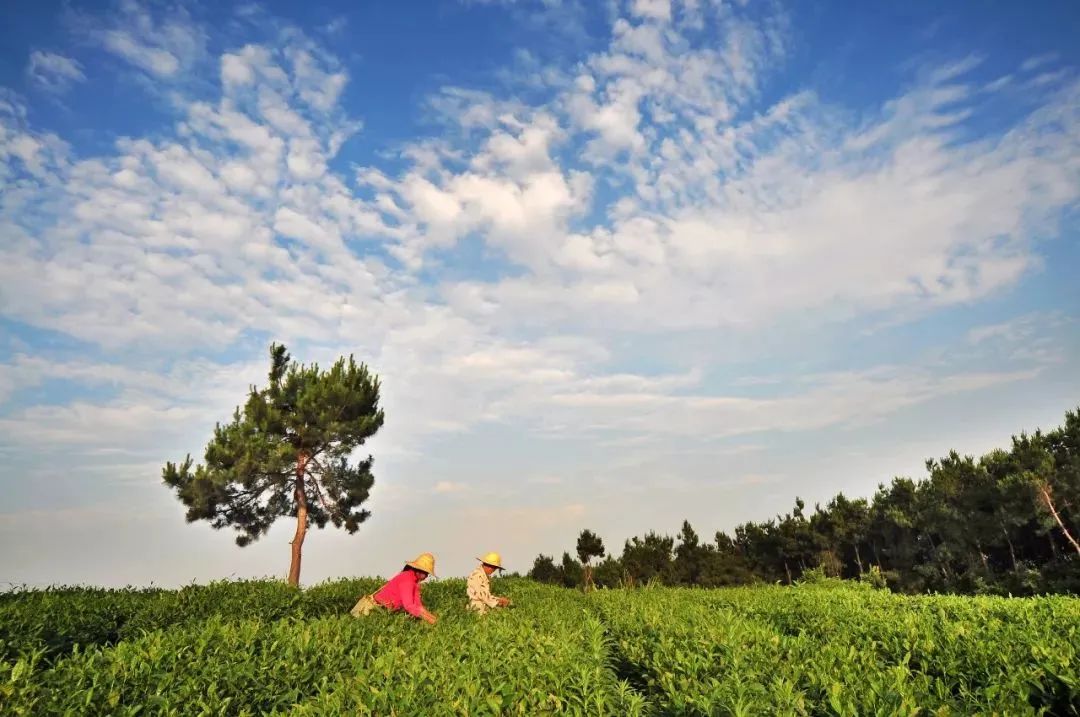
[(827, 647)]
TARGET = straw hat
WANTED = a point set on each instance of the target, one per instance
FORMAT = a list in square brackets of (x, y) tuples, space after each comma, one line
[(424, 562), (492, 559)]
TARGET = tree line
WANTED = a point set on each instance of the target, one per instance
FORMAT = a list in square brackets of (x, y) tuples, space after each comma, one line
[(1005, 523)]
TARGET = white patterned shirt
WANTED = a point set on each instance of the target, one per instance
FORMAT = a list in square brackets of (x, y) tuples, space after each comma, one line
[(479, 590)]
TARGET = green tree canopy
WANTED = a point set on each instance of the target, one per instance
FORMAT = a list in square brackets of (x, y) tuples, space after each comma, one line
[(287, 454), (589, 546), (544, 570), (690, 556), (1007, 523), (649, 558), (572, 571)]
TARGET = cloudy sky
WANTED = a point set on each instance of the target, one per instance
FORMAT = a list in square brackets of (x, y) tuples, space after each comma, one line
[(617, 263)]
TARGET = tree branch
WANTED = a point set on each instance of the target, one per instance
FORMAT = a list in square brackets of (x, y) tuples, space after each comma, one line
[(319, 494), (1045, 491)]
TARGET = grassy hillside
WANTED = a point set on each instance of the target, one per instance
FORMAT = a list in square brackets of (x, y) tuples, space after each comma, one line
[(260, 647)]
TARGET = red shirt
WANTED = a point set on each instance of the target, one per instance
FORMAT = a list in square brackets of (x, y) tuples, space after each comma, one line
[(401, 593)]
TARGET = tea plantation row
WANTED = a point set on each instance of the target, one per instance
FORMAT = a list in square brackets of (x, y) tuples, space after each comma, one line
[(260, 647)]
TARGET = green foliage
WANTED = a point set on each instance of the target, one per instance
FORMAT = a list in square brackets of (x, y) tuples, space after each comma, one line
[(828, 648), (287, 454), (550, 655), (571, 571), (609, 573), (825, 647), (304, 417), (589, 546), (874, 578), (54, 621), (815, 576), (1007, 523), (51, 622), (544, 570), (649, 559)]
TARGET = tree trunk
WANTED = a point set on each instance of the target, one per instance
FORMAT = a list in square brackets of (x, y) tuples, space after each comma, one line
[(788, 571), (877, 557), (1053, 511), (587, 583), (1012, 550), (858, 558), (943, 565), (301, 521)]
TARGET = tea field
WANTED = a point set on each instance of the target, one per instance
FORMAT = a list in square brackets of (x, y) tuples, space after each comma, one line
[(261, 647)]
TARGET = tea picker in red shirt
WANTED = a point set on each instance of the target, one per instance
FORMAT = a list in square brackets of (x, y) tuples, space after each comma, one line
[(402, 592)]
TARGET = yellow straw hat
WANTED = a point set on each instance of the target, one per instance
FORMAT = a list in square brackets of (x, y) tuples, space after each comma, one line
[(424, 562), (492, 559)]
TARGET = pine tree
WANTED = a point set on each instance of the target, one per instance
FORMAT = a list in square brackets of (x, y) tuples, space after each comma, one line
[(544, 570), (690, 556), (286, 454), (589, 546)]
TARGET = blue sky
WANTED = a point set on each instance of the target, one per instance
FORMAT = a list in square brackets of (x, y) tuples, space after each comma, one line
[(618, 264)]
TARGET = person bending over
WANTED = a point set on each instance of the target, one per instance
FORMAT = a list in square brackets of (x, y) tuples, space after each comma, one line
[(401, 592)]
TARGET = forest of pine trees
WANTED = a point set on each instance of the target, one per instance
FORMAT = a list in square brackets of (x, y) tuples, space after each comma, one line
[(1005, 523)]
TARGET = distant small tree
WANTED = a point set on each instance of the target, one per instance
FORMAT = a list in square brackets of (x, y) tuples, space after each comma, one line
[(608, 573), (589, 546), (725, 545), (690, 556), (544, 570), (571, 571), (720, 569), (287, 454), (648, 558)]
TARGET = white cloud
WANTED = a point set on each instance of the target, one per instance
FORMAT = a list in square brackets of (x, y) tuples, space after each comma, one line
[(150, 409), (336, 26), (641, 200), (190, 219), (154, 60), (1033, 338), (703, 238), (238, 69), (852, 398), (1038, 61), (810, 225), (163, 44), (316, 86), (52, 72), (1009, 330), (654, 9)]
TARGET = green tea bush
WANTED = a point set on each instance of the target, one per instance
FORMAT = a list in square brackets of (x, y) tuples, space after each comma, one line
[(265, 600), (58, 619), (55, 620), (549, 656), (813, 650), (261, 647)]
